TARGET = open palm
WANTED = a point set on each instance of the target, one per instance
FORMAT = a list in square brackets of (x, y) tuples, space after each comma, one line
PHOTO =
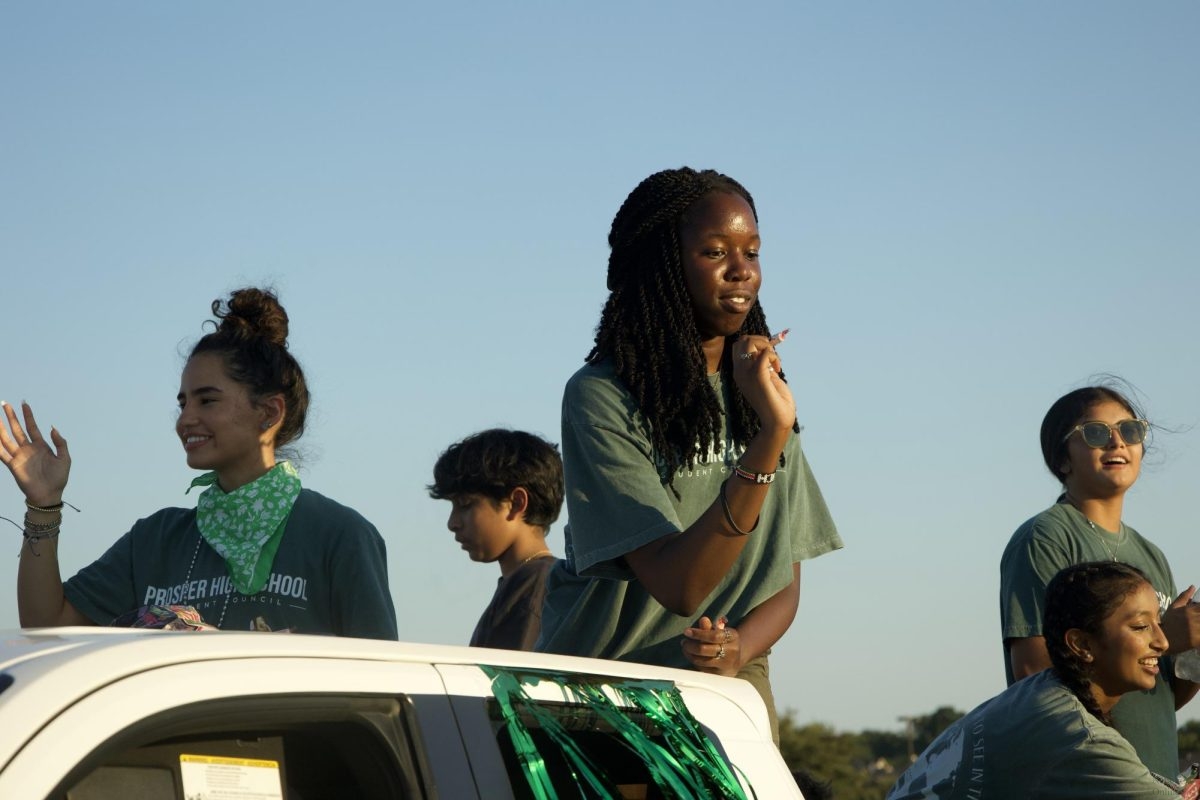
[(39, 470)]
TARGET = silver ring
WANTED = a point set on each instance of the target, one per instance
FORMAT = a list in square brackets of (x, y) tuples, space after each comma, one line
[(721, 652), (745, 356)]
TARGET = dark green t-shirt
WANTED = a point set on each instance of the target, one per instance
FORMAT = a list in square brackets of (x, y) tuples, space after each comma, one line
[(513, 619), (1035, 740), (618, 501), (1059, 537), (329, 575)]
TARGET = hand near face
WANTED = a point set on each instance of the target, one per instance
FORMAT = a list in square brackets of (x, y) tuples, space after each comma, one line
[(715, 649), (756, 368), (1181, 622), (40, 472)]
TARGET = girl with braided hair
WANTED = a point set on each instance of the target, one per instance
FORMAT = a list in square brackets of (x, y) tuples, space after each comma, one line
[(257, 553), (687, 491), (1050, 735), (1093, 440)]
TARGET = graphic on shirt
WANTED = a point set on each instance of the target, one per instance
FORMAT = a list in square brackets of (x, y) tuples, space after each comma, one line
[(720, 455), (1164, 601), (209, 594), (938, 767)]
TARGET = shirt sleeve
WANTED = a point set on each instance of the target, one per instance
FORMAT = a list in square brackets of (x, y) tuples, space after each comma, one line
[(104, 589), (362, 598), (1104, 767), (1025, 570), (616, 501), (809, 524)]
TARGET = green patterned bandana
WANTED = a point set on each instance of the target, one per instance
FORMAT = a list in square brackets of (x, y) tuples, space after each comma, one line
[(246, 525)]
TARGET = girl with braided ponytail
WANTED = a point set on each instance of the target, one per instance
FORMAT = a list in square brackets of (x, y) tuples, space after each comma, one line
[(1093, 440), (1050, 735), (257, 553), (687, 491)]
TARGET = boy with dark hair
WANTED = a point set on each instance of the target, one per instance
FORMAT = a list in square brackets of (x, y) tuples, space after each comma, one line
[(505, 489)]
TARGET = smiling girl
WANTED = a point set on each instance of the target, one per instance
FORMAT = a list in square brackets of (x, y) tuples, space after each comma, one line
[(1049, 736), (687, 491), (258, 552), (1093, 440)]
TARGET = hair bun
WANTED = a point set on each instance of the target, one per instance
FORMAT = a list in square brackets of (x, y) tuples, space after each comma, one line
[(252, 313)]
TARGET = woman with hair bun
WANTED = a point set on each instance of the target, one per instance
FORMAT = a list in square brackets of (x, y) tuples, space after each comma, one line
[(1050, 736), (257, 553)]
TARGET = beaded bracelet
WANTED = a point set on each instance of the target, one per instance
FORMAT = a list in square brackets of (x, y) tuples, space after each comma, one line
[(753, 477), (729, 514), (33, 531), (38, 527)]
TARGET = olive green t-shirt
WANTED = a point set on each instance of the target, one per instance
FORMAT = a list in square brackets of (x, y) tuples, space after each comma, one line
[(1034, 740), (1059, 537), (618, 500)]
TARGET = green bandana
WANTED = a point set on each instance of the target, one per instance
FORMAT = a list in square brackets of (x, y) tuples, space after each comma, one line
[(246, 525)]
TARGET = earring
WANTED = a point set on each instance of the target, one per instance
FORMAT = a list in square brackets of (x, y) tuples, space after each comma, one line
[(266, 426), (1087, 657)]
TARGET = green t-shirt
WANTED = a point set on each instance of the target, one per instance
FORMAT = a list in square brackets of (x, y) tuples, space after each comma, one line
[(618, 501), (1059, 537), (329, 575), (1034, 740)]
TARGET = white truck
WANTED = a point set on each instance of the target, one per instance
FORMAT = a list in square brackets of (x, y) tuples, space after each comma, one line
[(89, 713)]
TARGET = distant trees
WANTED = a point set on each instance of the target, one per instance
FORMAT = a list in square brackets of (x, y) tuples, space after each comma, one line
[(1189, 743), (864, 765), (844, 760), (858, 766)]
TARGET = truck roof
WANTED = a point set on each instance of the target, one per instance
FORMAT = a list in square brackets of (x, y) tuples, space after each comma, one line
[(57, 665)]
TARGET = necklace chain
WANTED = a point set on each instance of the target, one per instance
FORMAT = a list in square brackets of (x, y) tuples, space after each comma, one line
[(538, 554), (1112, 551), (187, 579), (1102, 534)]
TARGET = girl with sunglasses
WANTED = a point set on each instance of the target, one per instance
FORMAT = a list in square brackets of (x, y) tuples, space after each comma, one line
[(1050, 736), (691, 504), (1093, 440), (258, 552)]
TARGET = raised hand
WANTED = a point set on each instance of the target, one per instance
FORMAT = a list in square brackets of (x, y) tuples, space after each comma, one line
[(1181, 622), (39, 470), (756, 368)]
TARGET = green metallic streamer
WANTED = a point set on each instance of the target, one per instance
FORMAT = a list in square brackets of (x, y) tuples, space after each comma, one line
[(510, 693), (668, 772), (685, 765), (684, 736)]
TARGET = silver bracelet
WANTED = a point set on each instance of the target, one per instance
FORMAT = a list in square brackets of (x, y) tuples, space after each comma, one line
[(729, 514)]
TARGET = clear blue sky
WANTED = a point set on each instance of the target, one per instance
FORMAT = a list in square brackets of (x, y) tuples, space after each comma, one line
[(967, 209)]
